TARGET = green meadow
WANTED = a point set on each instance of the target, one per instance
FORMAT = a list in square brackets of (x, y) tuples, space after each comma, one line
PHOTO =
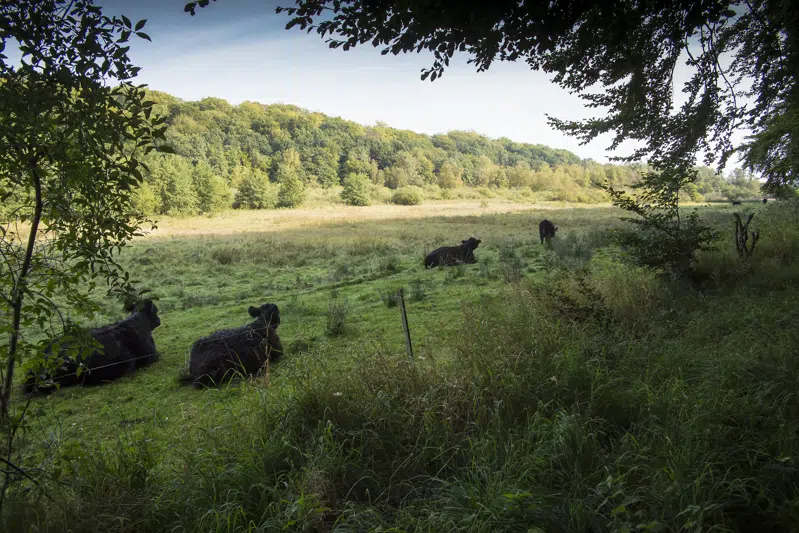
[(552, 390)]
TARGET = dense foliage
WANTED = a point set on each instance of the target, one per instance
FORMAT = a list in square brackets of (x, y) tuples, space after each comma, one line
[(741, 61), (258, 150), (73, 129)]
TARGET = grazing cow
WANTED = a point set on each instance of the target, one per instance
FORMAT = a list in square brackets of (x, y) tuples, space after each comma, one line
[(546, 230), (125, 346), (647, 206), (451, 255), (219, 356), (765, 200), (736, 202)]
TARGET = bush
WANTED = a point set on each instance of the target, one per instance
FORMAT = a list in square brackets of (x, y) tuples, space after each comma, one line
[(144, 199), (356, 189), (432, 191), (213, 193), (407, 196), (663, 237), (292, 190), (256, 191), (380, 194)]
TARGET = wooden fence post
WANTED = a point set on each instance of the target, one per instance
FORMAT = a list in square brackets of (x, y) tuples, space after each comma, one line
[(408, 343)]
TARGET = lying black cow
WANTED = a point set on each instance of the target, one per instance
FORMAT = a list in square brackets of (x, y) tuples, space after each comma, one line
[(765, 200), (546, 230), (124, 347), (736, 202), (245, 350), (452, 255)]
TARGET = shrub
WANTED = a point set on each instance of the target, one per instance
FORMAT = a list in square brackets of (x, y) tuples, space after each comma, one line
[(663, 238), (407, 196), (144, 200), (356, 189), (256, 191), (292, 190), (432, 191), (213, 193), (380, 194)]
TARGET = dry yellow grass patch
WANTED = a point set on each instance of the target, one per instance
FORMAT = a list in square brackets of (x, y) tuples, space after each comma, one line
[(277, 220)]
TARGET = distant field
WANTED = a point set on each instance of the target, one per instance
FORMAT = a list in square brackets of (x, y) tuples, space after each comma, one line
[(277, 220)]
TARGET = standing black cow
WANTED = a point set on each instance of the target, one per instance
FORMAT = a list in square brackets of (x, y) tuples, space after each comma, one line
[(219, 356), (546, 230), (125, 346), (451, 255), (736, 202)]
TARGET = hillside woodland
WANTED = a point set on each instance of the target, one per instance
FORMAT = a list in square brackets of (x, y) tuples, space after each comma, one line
[(254, 156)]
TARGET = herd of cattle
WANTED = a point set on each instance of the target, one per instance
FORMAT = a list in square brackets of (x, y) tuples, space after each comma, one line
[(128, 345)]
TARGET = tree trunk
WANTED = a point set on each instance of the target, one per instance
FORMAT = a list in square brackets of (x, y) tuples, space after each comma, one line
[(19, 295)]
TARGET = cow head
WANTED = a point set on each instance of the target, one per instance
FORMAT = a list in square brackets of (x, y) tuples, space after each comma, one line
[(148, 309), (269, 313), (471, 243)]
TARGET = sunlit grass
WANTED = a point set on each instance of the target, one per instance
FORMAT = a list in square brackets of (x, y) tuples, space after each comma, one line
[(553, 389)]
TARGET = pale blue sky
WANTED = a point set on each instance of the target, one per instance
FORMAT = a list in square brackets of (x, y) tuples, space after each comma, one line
[(239, 50)]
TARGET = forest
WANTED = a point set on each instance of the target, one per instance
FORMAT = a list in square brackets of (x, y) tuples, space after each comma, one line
[(254, 156)]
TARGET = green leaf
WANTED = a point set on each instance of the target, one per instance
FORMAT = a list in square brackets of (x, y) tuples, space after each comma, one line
[(143, 35), (126, 21), (140, 25)]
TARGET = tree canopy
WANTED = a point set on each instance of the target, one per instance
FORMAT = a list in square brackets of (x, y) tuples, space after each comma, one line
[(239, 155), (73, 130), (620, 57)]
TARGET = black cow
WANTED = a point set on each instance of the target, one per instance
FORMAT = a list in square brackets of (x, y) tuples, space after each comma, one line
[(125, 346), (451, 255), (647, 206), (546, 230), (736, 202), (245, 350), (765, 200)]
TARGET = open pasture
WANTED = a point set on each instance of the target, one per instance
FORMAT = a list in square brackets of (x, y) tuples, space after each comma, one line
[(590, 396), (319, 275)]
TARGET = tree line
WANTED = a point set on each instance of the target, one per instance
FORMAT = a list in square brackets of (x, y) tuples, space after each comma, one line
[(254, 156)]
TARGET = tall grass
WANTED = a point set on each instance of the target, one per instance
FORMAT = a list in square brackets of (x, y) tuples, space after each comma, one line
[(592, 398)]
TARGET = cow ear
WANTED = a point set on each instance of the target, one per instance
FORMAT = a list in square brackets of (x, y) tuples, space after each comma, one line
[(254, 312), (463, 242), (479, 241)]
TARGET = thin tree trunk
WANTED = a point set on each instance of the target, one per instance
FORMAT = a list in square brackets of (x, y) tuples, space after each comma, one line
[(19, 295)]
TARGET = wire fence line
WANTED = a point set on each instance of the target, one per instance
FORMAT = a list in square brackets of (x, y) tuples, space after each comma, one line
[(222, 338)]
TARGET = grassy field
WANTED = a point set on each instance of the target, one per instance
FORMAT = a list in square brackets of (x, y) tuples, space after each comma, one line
[(552, 390)]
